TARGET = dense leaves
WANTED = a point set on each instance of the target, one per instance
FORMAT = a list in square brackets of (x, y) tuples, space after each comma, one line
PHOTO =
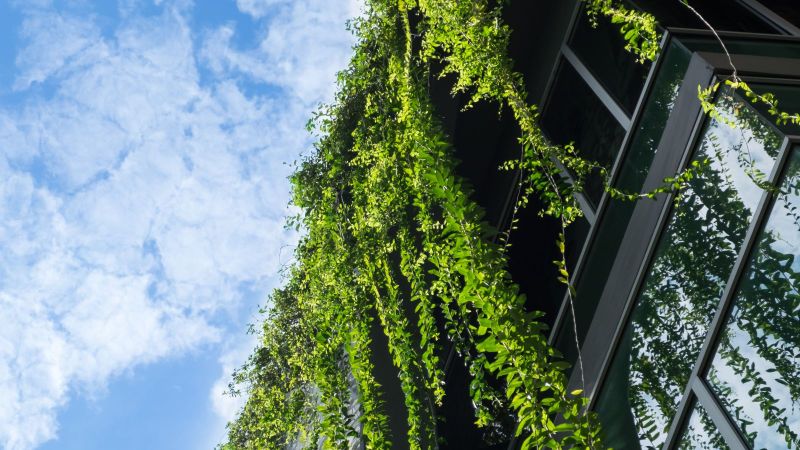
[(394, 242)]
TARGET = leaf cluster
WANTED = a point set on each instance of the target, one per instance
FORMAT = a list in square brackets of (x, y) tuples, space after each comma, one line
[(394, 243)]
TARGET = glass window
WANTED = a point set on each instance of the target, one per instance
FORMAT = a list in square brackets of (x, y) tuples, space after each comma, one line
[(788, 10), (788, 100), (615, 220), (602, 50), (775, 49), (689, 270), (724, 15), (701, 433), (575, 114), (756, 369)]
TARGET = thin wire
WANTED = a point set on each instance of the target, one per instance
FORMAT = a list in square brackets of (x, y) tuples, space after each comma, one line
[(735, 75)]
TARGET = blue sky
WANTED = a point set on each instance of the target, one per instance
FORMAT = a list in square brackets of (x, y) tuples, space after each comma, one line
[(143, 162)]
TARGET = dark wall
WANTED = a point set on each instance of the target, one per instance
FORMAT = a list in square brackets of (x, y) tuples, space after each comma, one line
[(386, 375), (484, 137), (487, 135)]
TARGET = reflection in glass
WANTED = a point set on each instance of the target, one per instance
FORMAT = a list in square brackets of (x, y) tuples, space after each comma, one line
[(680, 293), (637, 160), (575, 114), (602, 49), (701, 433), (756, 370)]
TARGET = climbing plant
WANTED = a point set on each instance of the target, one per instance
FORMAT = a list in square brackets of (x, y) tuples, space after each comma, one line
[(394, 245), (388, 223), (639, 28)]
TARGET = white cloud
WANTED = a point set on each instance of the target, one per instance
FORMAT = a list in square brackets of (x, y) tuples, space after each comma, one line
[(227, 406), (258, 8), (137, 201), (42, 59), (304, 45)]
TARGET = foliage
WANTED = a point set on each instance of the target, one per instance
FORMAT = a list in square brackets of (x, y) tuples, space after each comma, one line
[(388, 222), (637, 27), (735, 84), (393, 243)]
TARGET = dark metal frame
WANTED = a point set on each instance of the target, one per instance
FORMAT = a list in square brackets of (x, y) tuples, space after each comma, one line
[(697, 389), (567, 56), (649, 219), (614, 173), (770, 17), (630, 123), (648, 222), (641, 237), (594, 84)]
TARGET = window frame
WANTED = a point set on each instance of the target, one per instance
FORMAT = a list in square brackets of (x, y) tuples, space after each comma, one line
[(697, 388), (771, 17), (650, 219), (629, 123)]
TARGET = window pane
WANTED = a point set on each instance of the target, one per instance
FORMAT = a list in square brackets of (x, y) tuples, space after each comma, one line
[(788, 10), (756, 370), (788, 97), (574, 113), (602, 50), (700, 432), (776, 49), (724, 15), (691, 265), (615, 219)]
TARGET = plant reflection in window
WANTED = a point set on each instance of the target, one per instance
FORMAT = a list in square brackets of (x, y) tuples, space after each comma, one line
[(691, 266), (756, 372), (700, 433)]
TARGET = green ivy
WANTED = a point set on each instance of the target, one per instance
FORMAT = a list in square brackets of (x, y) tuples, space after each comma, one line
[(637, 27), (392, 240)]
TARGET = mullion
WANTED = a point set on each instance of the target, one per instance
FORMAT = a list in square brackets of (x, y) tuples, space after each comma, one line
[(698, 392), (759, 218), (681, 416), (599, 91), (666, 41), (718, 322), (626, 143), (615, 168), (698, 73), (567, 56), (584, 203), (725, 426)]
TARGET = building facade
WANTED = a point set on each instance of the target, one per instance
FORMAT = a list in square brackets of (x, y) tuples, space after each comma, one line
[(686, 324)]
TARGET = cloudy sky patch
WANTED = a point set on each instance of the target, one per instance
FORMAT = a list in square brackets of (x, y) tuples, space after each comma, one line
[(143, 165)]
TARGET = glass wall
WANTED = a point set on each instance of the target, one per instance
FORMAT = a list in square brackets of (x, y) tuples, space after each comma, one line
[(576, 115), (688, 274), (633, 169), (756, 368), (705, 351)]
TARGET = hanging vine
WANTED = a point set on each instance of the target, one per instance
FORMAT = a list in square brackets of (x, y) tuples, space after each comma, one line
[(393, 241), (387, 218)]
